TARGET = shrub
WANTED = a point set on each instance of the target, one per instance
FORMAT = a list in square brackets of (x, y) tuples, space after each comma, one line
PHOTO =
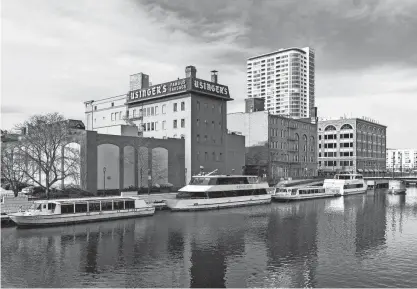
[(130, 189), (166, 186)]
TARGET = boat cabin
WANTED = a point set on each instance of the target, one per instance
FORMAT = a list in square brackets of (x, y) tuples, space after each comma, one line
[(222, 186), (72, 206), (301, 191), (223, 180), (348, 177)]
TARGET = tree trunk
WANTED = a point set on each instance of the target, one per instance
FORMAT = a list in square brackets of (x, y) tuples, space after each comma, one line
[(47, 186)]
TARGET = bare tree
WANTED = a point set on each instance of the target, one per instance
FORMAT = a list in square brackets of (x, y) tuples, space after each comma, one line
[(45, 146), (12, 166), (159, 171)]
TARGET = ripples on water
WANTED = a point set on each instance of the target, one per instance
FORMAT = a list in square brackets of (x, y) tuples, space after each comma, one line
[(358, 241)]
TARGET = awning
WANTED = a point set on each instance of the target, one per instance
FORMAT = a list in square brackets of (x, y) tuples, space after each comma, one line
[(366, 171), (360, 170)]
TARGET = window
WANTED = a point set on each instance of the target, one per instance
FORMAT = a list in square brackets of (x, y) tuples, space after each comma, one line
[(212, 124), (213, 156), (329, 127), (175, 107), (134, 113), (95, 107), (148, 111), (198, 105), (164, 125), (213, 108), (156, 125), (182, 122), (221, 157), (206, 156), (164, 109), (198, 156), (156, 110), (220, 111), (205, 138), (182, 136), (198, 138), (152, 110), (206, 123), (346, 126), (205, 106), (111, 116), (175, 123), (198, 122), (148, 126), (182, 105), (112, 104)]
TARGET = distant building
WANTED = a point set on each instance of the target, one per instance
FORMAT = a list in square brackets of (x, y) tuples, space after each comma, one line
[(351, 144), (286, 80), (189, 108), (401, 159), (276, 146)]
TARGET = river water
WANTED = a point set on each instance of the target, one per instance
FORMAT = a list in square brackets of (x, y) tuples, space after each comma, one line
[(365, 240)]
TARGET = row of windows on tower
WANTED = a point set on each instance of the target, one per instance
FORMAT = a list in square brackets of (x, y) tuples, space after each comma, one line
[(214, 157), (154, 110)]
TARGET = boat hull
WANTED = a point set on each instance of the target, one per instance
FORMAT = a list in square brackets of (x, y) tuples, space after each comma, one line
[(353, 192), (24, 221), (278, 198), (217, 203)]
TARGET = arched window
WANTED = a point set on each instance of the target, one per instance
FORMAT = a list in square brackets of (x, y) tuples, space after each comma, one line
[(297, 137), (329, 128), (312, 143), (305, 142), (346, 126)]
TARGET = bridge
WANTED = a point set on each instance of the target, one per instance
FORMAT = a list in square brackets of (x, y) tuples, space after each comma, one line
[(376, 182)]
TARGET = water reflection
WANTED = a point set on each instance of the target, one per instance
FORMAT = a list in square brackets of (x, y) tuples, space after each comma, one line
[(355, 241)]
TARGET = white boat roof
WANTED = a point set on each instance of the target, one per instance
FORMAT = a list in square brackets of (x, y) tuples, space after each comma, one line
[(224, 176), (119, 198), (300, 187)]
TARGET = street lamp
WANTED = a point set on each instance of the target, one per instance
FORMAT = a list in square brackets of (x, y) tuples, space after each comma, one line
[(104, 178), (149, 181)]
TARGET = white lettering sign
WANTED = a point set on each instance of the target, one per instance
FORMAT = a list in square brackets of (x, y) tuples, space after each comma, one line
[(219, 89)]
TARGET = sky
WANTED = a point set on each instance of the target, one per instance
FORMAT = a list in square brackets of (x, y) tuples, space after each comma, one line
[(57, 54)]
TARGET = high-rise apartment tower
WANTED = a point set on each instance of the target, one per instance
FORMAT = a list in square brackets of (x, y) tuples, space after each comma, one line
[(285, 79)]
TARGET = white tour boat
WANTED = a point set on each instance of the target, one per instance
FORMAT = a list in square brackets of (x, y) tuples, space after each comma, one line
[(397, 187), (70, 211), (346, 184), (208, 192), (302, 193)]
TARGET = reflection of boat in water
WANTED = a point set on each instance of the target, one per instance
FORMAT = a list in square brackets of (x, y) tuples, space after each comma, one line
[(70, 211), (346, 184), (209, 192), (335, 205), (397, 187), (302, 193)]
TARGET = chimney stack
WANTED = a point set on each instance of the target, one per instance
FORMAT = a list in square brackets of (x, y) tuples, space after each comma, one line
[(190, 71), (214, 76)]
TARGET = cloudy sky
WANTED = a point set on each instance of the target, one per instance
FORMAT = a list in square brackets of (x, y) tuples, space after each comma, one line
[(57, 54)]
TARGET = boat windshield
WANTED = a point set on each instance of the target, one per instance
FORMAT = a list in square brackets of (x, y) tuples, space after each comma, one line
[(201, 181), (36, 207)]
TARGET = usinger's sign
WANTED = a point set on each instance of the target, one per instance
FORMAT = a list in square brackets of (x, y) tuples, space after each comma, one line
[(179, 86), (210, 87)]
